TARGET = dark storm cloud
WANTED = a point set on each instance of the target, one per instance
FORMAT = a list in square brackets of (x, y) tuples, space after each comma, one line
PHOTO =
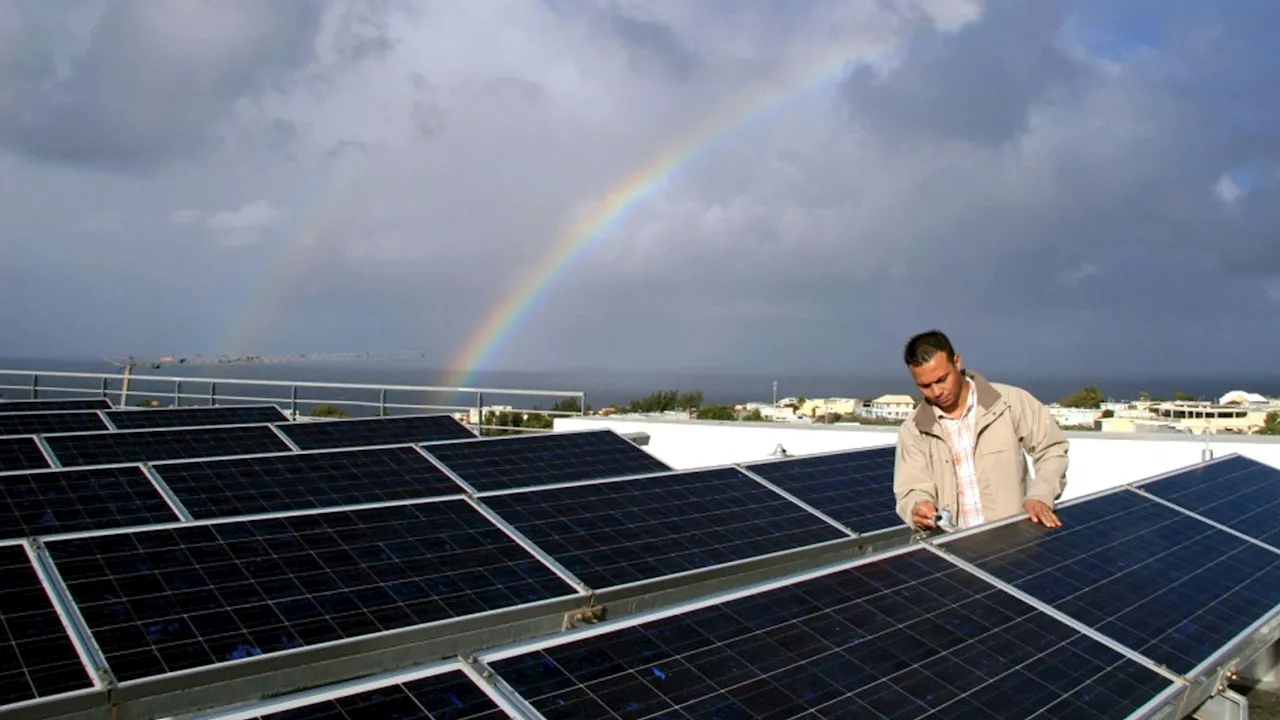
[(978, 85), (154, 80), (1063, 186)]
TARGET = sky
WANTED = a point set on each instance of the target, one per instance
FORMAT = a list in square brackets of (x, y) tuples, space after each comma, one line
[(1062, 186)]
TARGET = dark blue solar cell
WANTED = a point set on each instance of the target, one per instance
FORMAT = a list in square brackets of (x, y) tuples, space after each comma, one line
[(299, 481), (37, 423), (21, 453), (1238, 492), (132, 446), (854, 488), (901, 637), (141, 419), (37, 658), (503, 463), (202, 594), (613, 533), (15, 406), (320, 435), (1155, 579), (61, 501), (449, 696)]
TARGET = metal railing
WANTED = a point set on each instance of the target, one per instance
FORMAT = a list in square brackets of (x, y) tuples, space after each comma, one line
[(494, 411)]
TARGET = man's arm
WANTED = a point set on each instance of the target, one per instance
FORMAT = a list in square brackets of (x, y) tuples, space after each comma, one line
[(1046, 443), (911, 480)]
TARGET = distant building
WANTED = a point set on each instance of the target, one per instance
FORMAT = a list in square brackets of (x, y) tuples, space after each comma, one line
[(1240, 397), (892, 407), (1067, 416)]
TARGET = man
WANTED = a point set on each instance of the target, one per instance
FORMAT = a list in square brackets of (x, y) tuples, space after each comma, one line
[(962, 449)]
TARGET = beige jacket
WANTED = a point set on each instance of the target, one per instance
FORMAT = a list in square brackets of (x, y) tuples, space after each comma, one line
[(1009, 421)]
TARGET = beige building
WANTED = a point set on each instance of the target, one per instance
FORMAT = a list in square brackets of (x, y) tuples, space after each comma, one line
[(1197, 418)]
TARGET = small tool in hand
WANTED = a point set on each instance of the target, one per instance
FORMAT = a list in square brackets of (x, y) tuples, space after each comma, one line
[(944, 521)]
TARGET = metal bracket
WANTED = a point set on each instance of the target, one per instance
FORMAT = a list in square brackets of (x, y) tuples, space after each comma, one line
[(1226, 704), (589, 615)]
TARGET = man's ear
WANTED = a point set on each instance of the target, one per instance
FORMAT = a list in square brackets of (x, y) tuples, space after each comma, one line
[(959, 362)]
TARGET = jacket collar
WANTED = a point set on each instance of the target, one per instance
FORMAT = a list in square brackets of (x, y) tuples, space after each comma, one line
[(988, 397)]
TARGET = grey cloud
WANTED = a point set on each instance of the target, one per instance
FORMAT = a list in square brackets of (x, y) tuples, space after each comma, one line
[(154, 79), (1048, 207), (977, 85)]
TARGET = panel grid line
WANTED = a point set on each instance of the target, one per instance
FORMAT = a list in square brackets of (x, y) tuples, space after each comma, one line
[(1057, 614), (1206, 520), (830, 520), (167, 493), (849, 486), (79, 500), (95, 664), (1151, 577), (884, 638), (199, 595), (619, 532)]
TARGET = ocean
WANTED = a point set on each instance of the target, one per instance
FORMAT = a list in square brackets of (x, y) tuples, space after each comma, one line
[(603, 387)]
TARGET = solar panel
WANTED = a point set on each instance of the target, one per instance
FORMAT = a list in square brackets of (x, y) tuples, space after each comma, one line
[(60, 501), (107, 448), (517, 461), (299, 481), (622, 531), (324, 434), (21, 453), (37, 658), (138, 419), (904, 636), (448, 696), (13, 406), (199, 594), (1155, 579), (36, 423), (1238, 492), (854, 488)]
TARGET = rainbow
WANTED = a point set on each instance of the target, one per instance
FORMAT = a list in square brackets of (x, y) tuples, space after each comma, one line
[(498, 325)]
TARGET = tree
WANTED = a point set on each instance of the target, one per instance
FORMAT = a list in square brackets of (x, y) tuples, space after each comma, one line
[(326, 410), (753, 415), (1090, 397), (1179, 396), (1144, 396), (717, 412), (690, 400), (1108, 413), (1271, 426)]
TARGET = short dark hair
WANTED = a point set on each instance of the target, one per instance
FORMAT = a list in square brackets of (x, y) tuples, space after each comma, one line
[(921, 348)]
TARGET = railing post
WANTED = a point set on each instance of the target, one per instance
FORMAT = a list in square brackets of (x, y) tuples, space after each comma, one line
[(213, 393), (293, 402), (582, 403), (35, 386), (382, 402), (177, 392), (103, 386), (479, 413)]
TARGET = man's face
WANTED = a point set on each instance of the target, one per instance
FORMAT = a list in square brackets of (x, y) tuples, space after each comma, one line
[(940, 380)]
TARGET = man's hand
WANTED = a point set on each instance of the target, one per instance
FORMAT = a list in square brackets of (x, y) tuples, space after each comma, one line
[(1041, 513), (923, 514)]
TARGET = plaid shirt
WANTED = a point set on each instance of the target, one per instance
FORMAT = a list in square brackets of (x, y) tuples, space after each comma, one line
[(962, 438)]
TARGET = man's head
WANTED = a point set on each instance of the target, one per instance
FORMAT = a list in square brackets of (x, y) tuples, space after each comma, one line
[(936, 369)]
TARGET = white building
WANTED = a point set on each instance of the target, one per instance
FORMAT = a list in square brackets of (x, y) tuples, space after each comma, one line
[(892, 407)]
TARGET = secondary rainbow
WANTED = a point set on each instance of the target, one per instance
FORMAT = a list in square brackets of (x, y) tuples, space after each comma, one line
[(503, 318)]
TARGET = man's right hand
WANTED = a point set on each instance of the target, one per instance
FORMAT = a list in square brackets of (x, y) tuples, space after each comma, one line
[(923, 514)]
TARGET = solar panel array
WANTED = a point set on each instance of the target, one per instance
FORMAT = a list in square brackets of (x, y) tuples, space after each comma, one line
[(81, 437), (261, 484), (194, 416), (31, 423), (21, 453), (375, 431), (849, 487), (13, 406), (223, 551)]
